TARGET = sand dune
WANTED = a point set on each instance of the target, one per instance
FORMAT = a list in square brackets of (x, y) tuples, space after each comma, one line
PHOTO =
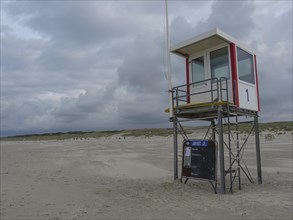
[(111, 178)]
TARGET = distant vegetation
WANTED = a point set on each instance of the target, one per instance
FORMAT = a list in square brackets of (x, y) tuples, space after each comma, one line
[(62, 135), (270, 127), (277, 126), (149, 132), (273, 127)]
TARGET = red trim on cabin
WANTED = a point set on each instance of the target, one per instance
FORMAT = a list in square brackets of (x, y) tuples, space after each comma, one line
[(187, 81), (256, 77), (234, 74)]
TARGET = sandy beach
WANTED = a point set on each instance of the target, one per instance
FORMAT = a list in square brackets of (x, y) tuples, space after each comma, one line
[(132, 178)]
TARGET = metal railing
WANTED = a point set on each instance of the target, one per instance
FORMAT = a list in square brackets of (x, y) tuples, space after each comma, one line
[(216, 90)]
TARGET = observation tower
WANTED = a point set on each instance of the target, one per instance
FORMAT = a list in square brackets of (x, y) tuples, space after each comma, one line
[(221, 88)]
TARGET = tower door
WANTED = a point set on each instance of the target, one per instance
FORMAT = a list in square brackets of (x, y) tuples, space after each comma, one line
[(213, 63), (219, 60), (198, 66)]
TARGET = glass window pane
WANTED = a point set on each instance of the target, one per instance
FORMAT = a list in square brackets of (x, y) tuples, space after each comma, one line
[(198, 70), (220, 63), (245, 66)]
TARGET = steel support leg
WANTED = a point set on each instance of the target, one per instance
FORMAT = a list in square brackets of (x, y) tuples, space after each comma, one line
[(214, 139), (175, 147), (213, 130), (257, 146), (221, 151), (238, 154)]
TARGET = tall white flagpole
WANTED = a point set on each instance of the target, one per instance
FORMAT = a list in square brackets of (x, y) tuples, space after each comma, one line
[(169, 76), (175, 142)]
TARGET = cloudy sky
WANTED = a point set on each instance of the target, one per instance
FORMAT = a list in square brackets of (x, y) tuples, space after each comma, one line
[(100, 65)]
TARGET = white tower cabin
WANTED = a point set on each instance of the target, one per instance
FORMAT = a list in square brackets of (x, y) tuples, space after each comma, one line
[(217, 62)]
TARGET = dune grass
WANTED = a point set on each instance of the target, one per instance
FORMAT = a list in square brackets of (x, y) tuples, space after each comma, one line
[(273, 127), (61, 136)]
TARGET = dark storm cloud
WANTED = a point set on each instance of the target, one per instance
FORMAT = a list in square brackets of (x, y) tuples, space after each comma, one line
[(79, 108), (274, 47), (44, 76), (81, 47), (141, 77), (233, 17), (181, 30), (148, 8), (18, 52), (19, 74), (142, 68), (99, 65), (24, 115), (74, 23), (279, 28), (25, 72)]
